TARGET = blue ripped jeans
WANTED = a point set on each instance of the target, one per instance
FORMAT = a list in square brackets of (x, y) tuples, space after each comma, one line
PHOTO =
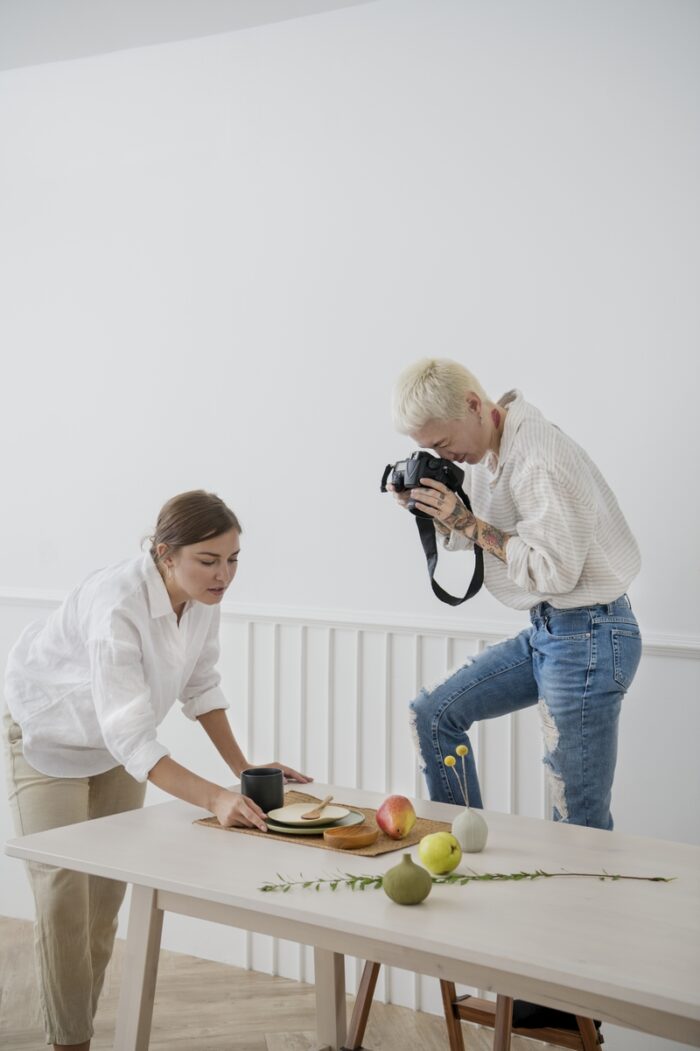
[(578, 664)]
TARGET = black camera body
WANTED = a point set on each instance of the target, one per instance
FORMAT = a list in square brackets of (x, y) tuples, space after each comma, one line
[(407, 474)]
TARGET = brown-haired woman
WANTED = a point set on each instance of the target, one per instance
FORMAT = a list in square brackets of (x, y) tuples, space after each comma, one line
[(86, 692)]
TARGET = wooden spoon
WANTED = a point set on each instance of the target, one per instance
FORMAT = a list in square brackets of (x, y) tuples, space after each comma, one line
[(316, 812)]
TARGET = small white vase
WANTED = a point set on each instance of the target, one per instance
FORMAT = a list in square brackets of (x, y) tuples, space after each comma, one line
[(470, 830)]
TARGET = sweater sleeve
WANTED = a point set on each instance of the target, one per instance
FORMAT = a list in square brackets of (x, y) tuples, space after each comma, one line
[(122, 700), (202, 692), (553, 534)]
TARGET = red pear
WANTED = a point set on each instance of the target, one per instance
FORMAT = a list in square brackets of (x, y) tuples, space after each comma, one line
[(396, 816)]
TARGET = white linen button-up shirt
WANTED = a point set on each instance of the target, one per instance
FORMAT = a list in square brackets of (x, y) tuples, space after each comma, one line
[(569, 542), (90, 685)]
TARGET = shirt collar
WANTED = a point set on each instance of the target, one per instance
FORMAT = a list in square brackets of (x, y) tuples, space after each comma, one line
[(516, 405), (158, 597)]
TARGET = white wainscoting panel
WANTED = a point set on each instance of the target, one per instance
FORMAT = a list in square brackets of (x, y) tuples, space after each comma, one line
[(328, 693), (331, 696)]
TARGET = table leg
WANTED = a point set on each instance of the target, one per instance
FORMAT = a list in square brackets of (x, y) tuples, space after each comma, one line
[(331, 1025), (503, 1023), (363, 1005), (133, 1028), (452, 1021)]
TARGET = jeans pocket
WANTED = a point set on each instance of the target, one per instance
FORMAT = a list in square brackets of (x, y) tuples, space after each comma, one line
[(627, 652), (567, 624)]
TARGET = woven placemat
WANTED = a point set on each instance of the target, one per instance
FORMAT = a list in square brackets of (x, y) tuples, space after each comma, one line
[(384, 845)]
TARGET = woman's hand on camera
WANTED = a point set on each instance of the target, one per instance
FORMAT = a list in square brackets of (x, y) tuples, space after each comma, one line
[(290, 774), (442, 504), (232, 809), (401, 497)]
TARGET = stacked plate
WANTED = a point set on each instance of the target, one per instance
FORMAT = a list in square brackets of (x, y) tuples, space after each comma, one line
[(288, 819)]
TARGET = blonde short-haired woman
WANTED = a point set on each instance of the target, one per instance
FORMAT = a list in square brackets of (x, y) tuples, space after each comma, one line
[(556, 545)]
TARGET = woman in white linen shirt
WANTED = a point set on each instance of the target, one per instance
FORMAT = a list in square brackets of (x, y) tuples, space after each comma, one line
[(86, 691)]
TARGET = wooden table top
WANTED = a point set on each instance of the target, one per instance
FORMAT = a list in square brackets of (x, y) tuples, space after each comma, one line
[(614, 943)]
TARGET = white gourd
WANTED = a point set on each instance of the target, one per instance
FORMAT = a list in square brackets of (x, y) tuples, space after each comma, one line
[(470, 830)]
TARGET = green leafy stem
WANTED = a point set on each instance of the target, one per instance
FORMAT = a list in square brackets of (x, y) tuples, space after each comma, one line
[(362, 882)]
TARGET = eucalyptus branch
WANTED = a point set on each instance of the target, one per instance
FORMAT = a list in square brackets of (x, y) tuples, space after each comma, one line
[(362, 882), (346, 879)]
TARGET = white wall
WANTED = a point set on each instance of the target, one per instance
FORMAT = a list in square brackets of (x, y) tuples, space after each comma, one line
[(217, 255)]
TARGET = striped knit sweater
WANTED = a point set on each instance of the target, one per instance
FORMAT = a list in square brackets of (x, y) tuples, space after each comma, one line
[(570, 544)]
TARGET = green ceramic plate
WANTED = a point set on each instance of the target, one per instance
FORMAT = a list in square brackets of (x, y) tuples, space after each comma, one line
[(353, 818)]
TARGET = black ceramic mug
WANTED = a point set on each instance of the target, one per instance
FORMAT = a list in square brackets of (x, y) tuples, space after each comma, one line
[(265, 786)]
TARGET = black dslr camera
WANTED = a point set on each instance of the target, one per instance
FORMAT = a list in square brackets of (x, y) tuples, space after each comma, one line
[(406, 474)]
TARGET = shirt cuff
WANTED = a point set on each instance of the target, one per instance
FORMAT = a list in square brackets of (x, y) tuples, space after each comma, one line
[(205, 702), (517, 553), (144, 759), (456, 541)]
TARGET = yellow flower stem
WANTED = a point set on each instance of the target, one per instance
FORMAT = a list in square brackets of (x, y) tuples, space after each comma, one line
[(464, 774), (461, 788)]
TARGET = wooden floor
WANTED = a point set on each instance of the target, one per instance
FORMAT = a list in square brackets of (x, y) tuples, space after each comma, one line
[(205, 1006)]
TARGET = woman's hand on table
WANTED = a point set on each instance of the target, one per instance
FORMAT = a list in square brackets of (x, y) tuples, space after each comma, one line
[(232, 809), (289, 773)]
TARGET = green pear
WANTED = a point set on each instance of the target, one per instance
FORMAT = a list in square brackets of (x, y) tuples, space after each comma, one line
[(440, 852)]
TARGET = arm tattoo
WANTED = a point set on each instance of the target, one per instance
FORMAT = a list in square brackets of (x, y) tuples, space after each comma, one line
[(491, 539), (486, 536), (461, 520)]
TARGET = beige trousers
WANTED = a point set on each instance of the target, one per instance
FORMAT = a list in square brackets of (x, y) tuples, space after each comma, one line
[(76, 914)]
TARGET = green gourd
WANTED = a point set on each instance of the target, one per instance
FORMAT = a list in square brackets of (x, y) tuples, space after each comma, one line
[(407, 883)]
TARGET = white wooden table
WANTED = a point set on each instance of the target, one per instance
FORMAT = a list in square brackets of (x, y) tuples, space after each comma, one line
[(625, 952)]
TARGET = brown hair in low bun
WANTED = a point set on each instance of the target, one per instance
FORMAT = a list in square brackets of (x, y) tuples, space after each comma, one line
[(190, 518)]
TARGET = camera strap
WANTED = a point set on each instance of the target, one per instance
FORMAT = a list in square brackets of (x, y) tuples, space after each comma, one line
[(426, 530)]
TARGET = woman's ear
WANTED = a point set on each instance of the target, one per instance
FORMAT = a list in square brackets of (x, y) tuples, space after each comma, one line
[(473, 402), (161, 551)]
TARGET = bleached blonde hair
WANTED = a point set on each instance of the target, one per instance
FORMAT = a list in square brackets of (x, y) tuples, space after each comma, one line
[(432, 389)]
